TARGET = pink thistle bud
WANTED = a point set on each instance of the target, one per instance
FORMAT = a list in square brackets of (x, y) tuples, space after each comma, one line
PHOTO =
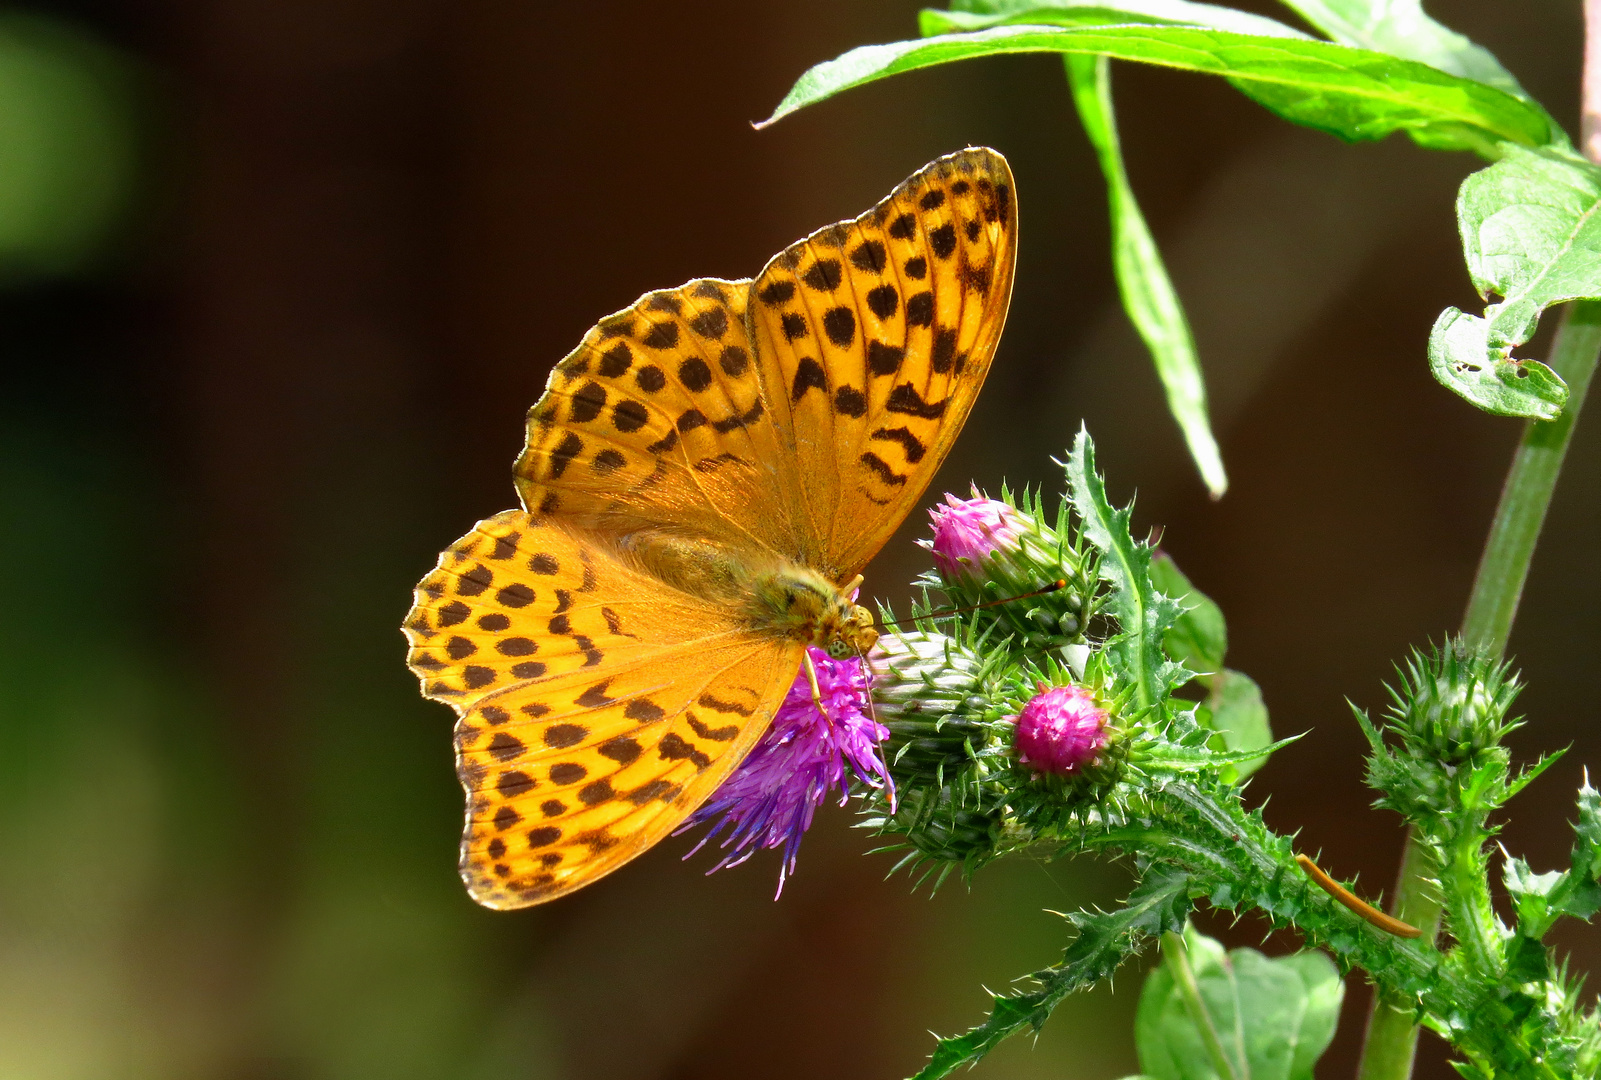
[(967, 531), (1060, 730)]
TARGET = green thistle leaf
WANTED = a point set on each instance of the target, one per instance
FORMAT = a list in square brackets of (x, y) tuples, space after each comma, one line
[(1143, 614)]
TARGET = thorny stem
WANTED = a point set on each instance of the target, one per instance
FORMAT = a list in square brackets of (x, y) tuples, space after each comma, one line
[(1392, 1037)]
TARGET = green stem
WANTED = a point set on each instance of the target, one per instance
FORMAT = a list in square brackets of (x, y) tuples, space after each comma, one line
[(1529, 484), (1178, 962), (1391, 1036)]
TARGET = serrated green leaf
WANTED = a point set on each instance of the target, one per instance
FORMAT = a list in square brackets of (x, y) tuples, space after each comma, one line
[(1352, 93), (1274, 1017), (1148, 295), (1143, 614), (1531, 896), (1240, 716), (980, 16), (1531, 233), (1587, 833), (1104, 940), (1199, 636)]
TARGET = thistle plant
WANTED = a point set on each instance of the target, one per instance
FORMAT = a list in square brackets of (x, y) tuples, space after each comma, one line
[(1063, 688), (994, 739)]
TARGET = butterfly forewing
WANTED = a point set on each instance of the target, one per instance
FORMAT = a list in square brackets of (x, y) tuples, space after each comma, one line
[(660, 419), (875, 336)]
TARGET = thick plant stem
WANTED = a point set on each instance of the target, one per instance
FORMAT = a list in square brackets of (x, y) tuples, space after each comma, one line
[(1529, 484), (1497, 588), (1392, 1038)]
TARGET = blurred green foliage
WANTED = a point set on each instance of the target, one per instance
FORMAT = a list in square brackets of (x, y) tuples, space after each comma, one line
[(69, 146)]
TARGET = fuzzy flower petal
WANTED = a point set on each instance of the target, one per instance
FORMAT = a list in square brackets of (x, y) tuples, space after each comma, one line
[(1061, 729), (799, 761), (971, 530)]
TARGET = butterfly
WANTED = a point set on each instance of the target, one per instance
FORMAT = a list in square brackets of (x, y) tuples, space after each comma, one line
[(702, 482)]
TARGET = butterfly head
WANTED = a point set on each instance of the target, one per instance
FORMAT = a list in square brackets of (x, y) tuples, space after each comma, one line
[(854, 635), (803, 604)]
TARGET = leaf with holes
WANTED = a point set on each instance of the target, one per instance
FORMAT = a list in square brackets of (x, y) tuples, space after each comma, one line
[(1531, 232)]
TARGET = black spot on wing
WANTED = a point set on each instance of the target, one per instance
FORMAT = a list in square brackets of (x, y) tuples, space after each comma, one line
[(869, 257), (734, 361), (808, 374), (920, 309), (839, 323), (718, 705), (911, 444), (662, 336), (650, 378), (824, 275), (711, 323), (883, 359), (944, 354), (564, 453), (850, 401), (739, 420), (616, 360), (694, 374), (719, 734), (883, 301), (776, 292), (905, 399), (881, 467)]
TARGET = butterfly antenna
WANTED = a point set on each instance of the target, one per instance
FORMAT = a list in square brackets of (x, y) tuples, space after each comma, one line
[(1059, 583), (872, 713)]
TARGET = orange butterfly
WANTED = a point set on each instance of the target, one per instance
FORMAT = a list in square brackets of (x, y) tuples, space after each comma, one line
[(703, 481)]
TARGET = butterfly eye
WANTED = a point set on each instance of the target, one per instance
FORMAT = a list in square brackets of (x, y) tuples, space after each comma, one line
[(838, 649)]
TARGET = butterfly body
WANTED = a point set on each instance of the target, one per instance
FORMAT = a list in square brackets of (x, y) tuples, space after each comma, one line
[(776, 596), (703, 480)]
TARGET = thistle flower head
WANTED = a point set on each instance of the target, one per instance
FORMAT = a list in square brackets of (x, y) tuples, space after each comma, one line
[(969, 531), (801, 759), (1452, 702), (1061, 730)]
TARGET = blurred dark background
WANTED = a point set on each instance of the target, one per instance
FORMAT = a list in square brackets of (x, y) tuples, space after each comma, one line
[(278, 280)]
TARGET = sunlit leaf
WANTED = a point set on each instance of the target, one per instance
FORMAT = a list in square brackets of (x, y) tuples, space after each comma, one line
[(1148, 295), (976, 15), (1348, 92)]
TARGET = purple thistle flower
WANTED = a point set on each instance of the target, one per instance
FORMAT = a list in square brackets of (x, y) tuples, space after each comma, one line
[(970, 530), (802, 757), (1061, 729)]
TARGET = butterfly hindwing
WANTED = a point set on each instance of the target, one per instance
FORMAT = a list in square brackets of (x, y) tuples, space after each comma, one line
[(875, 336), (598, 706), (570, 777)]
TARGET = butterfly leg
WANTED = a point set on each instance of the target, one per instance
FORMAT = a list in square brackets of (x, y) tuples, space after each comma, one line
[(811, 677)]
